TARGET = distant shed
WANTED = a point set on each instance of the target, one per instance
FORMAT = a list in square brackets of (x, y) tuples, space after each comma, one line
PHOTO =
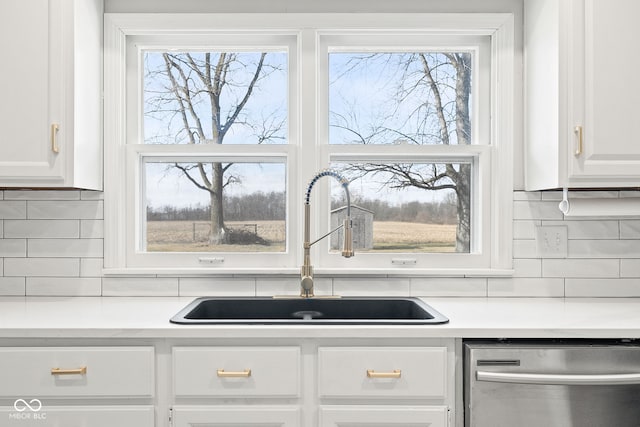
[(362, 220)]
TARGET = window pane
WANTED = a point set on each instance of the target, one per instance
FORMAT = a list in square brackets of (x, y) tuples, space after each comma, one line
[(182, 216), (215, 97), (400, 98), (405, 207)]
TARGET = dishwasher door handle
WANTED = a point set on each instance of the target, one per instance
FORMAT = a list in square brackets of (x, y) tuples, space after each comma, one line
[(558, 379)]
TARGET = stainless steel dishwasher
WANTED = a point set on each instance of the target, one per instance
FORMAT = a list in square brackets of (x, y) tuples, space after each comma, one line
[(552, 384)]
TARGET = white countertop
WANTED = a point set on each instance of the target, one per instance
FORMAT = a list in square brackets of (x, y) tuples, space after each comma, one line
[(147, 317)]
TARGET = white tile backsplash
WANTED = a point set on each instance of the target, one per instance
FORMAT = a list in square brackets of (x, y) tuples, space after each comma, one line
[(67, 286), (89, 248), (13, 209), (20, 228), (36, 267), (51, 243)]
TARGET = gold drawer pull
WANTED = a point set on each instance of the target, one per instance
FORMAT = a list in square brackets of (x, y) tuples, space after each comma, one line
[(396, 373), (54, 138), (80, 371), (578, 131), (234, 374)]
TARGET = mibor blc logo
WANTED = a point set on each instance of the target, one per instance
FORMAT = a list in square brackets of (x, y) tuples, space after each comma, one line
[(27, 410)]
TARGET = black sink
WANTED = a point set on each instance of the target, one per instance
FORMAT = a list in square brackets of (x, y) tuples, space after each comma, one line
[(327, 311)]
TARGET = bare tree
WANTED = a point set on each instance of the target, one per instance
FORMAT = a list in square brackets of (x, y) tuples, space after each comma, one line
[(440, 118), (202, 98)]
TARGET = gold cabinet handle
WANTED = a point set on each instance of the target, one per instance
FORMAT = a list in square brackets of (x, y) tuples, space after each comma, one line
[(79, 371), (233, 374), (396, 373), (54, 138), (578, 131)]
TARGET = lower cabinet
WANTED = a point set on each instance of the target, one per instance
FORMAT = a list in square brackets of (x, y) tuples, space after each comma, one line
[(388, 416), (313, 384), (244, 416), (77, 386), (34, 414)]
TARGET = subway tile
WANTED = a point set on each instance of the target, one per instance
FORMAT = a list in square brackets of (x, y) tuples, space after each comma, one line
[(629, 193), (1, 195), (580, 268), (583, 230), (525, 229), (38, 267), (218, 286), (91, 267), (363, 286), (1, 228), (89, 209), (630, 268), (527, 195), (140, 286), (43, 195), (525, 249), (91, 228), (630, 229), (448, 287), (604, 249), (588, 287), (525, 287), (12, 286), (1, 267), (21, 228), (13, 210), (85, 248), (91, 195), (270, 286), (67, 286), (555, 196), (527, 267), (13, 248), (532, 210)]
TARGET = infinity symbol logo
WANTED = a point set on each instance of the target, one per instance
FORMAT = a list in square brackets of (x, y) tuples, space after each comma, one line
[(21, 405)]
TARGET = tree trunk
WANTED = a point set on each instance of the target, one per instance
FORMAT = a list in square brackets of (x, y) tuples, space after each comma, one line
[(463, 133), (218, 234)]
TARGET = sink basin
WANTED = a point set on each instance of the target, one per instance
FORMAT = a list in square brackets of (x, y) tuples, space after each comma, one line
[(309, 311)]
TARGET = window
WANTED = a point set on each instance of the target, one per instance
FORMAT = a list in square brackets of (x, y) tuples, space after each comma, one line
[(225, 119)]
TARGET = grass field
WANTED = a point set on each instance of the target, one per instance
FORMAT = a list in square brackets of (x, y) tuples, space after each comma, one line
[(191, 236)]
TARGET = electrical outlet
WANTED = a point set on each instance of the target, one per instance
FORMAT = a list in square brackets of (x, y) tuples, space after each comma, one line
[(551, 241)]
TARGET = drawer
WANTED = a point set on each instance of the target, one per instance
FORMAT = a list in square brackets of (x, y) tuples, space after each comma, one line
[(236, 371), (67, 416), (386, 372), (77, 372)]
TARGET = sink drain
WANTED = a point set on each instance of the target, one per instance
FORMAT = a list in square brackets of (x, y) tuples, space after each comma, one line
[(307, 314)]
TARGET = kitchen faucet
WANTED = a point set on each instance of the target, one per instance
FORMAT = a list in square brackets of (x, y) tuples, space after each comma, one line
[(306, 271)]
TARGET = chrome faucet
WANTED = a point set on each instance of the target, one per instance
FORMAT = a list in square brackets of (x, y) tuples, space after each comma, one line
[(306, 271)]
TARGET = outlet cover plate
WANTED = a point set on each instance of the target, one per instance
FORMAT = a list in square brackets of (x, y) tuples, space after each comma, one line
[(551, 241)]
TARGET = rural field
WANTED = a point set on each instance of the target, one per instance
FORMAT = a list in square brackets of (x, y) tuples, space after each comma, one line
[(389, 236)]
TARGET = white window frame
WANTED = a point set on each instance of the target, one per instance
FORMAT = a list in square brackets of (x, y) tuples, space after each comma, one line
[(307, 150)]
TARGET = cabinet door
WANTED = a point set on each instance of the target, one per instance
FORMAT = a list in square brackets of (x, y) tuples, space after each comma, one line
[(388, 416), (606, 91), (37, 413), (30, 42), (241, 416)]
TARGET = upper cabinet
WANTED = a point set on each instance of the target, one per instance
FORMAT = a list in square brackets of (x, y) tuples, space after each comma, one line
[(51, 85), (581, 93)]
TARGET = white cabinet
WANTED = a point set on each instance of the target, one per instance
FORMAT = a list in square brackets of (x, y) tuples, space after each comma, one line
[(236, 374), (244, 416), (51, 85), (314, 383), (78, 386), (382, 380), (395, 416), (581, 94)]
